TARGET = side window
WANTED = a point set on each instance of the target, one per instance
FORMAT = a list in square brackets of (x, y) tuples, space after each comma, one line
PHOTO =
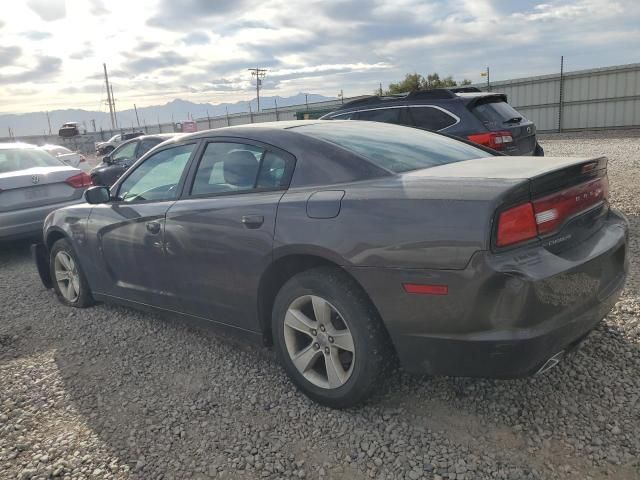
[(157, 178), (124, 153), (227, 167), (431, 118), (145, 146), (387, 115)]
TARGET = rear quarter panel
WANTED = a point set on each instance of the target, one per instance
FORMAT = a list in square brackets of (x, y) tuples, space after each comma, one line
[(395, 222)]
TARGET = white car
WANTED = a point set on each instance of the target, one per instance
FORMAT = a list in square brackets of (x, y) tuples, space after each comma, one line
[(73, 159), (102, 148)]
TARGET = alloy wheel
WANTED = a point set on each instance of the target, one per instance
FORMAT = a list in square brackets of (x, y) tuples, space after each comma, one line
[(67, 276), (319, 341)]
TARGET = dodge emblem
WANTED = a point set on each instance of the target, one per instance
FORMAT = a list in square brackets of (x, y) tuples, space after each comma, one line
[(35, 179)]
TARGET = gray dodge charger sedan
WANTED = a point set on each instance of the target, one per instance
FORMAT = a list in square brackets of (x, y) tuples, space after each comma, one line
[(349, 244)]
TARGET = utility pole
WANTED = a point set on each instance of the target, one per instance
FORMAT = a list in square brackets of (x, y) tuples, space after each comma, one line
[(159, 126), (341, 95), (208, 119), (380, 88), (137, 119), (306, 101), (275, 101), (113, 101), (93, 123), (250, 113), (49, 122), (259, 73), (488, 80), (228, 119), (106, 79)]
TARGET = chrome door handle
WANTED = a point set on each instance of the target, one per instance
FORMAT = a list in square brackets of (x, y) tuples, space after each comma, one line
[(253, 221), (153, 227)]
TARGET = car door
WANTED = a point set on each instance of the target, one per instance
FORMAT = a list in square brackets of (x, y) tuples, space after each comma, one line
[(219, 236), (127, 234)]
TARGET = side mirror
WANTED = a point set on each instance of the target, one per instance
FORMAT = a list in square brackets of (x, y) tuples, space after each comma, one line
[(96, 195), (107, 159)]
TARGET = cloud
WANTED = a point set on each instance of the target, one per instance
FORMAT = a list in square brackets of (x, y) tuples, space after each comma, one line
[(145, 45), (196, 38), (36, 36), (48, 10), (8, 55), (98, 8), (81, 54), (45, 68), (137, 64), (174, 15), (90, 88)]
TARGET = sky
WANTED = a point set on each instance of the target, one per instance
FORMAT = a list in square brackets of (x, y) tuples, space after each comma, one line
[(52, 51)]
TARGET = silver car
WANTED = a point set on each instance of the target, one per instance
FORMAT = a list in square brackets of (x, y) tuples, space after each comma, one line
[(32, 184)]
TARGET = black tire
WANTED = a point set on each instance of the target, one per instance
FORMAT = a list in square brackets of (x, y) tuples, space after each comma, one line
[(373, 353), (84, 298)]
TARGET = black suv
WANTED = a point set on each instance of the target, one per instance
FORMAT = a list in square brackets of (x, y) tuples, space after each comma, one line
[(116, 162), (467, 112)]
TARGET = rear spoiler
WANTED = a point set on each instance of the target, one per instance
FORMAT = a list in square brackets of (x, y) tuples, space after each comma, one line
[(472, 101), (569, 175)]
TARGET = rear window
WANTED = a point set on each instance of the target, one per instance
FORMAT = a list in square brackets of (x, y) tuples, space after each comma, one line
[(12, 160), (392, 147), (495, 113)]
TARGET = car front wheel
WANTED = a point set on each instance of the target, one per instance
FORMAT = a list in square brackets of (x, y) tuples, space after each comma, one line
[(329, 337), (67, 277)]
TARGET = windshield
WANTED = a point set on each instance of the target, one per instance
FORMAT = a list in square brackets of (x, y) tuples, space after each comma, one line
[(13, 160), (392, 147), (496, 113)]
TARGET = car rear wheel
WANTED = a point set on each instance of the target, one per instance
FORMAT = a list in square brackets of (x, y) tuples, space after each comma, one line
[(67, 277), (329, 337)]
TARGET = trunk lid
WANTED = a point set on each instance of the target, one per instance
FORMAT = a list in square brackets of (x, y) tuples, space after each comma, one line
[(568, 196), (37, 186)]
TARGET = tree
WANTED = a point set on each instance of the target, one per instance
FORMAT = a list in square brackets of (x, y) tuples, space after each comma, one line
[(414, 82)]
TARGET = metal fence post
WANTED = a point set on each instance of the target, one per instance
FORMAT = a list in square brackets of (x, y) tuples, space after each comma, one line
[(560, 105)]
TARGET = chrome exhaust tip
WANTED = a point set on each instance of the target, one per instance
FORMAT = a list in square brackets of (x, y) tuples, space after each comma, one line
[(550, 363)]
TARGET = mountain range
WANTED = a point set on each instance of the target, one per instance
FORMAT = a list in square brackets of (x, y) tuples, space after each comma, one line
[(35, 123)]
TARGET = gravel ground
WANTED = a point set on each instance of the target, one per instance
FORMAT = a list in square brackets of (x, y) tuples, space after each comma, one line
[(112, 393)]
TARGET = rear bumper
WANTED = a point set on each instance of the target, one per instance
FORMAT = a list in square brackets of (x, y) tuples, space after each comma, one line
[(28, 222), (504, 315)]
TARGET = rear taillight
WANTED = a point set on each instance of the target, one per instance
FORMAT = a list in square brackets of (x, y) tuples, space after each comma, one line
[(80, 180), (547, 214), (515, 225), (551, 211), (495, 140)]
